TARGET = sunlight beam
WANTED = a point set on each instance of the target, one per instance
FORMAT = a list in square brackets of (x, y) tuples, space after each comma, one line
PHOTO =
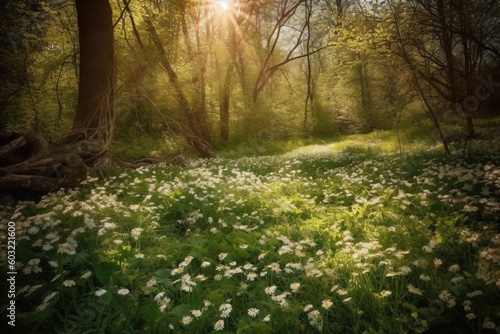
[(223, 5)]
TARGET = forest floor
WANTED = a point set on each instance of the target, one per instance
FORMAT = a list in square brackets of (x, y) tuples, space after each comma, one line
[(357, 236)]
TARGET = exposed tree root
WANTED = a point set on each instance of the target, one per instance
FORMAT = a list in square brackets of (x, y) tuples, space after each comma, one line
[(31, 167)]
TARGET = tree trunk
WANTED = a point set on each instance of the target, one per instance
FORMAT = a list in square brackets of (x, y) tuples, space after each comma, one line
[(469, 126), (199, 60), (95, 111), (309, 101), (224, 104)]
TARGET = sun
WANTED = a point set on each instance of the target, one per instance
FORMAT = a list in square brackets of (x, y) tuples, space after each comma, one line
[(223, 5)]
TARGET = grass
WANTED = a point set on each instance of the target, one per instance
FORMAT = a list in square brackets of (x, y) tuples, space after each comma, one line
[(341, 237), (415, 139)]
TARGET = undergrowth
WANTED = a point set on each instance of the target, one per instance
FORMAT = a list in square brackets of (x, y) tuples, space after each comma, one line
[(331, 238)]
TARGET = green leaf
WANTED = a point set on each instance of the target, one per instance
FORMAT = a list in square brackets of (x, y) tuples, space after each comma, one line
[(105, 270), (180, 310), (254, 328)]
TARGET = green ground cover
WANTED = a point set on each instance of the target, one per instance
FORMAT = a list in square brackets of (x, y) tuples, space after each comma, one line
[(333, 238)]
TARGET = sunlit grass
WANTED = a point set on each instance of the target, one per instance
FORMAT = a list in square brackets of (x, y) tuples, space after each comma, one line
[(390, 141), (344, 236)]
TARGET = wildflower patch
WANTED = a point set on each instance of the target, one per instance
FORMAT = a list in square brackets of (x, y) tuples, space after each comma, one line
[(283, 244)]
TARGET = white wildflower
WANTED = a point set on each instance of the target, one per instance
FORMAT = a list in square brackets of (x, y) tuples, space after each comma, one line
[(326, 304), (253, 312), (69, 283), (100, 292), (186, 320)]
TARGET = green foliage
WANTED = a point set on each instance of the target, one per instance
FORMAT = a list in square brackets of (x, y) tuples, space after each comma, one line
[(39, 61)]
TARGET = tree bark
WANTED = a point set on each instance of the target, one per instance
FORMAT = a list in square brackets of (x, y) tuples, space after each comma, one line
[(224, 104), (95, 111), (199, 60)]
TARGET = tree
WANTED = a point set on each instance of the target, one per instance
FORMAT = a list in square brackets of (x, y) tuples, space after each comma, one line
[(286, 11), (30, 164), (95, 110), (449, 45), (231, 32), (196, 133)]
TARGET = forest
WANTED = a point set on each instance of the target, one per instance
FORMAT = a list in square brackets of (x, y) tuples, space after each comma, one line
[(250, 166)]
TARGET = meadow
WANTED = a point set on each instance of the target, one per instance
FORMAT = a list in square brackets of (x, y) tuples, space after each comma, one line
[(342, 237)]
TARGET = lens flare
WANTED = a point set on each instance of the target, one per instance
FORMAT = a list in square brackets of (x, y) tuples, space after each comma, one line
[(223, 5)]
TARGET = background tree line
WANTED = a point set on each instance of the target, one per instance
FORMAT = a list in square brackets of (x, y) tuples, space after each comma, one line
[(206, 74)]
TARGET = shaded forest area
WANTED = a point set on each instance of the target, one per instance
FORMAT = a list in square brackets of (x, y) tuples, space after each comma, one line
[(180, 78)]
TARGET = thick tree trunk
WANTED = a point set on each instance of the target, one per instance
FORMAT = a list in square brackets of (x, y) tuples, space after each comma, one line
[(95, 112)]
